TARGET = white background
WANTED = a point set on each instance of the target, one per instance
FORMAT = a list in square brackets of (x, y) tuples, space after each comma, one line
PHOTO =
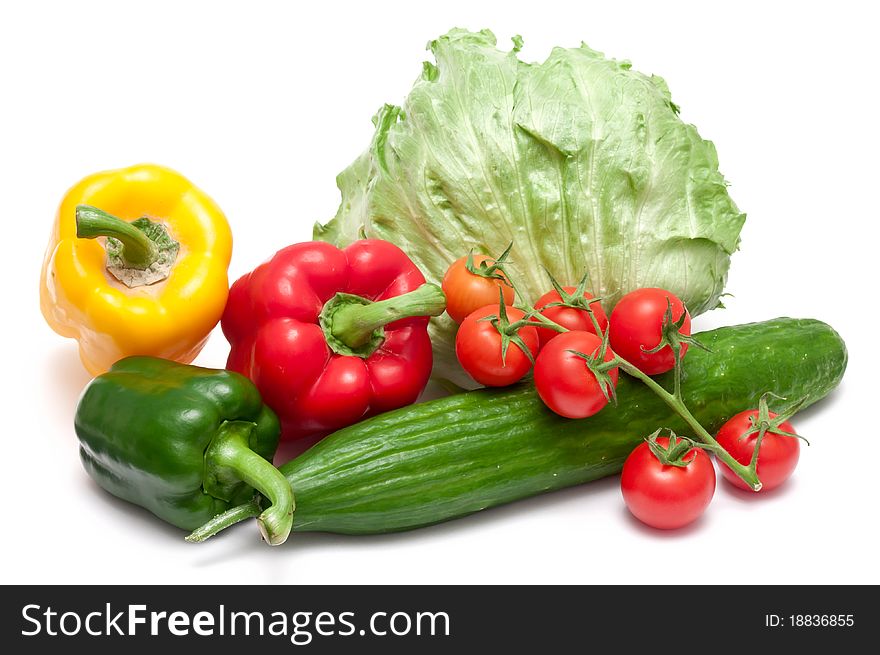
[(263, 103)]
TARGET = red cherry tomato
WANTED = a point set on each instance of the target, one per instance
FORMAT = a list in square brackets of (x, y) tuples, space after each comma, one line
[(563, 380), (635, 327), (466, 292), (777, 457), (665, 496), (569, 317), (478, 348)]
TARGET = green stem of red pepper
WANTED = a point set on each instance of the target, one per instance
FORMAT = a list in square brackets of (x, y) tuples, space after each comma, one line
[(354, 325)]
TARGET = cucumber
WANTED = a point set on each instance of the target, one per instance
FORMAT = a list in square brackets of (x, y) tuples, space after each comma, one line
[(450, 457)]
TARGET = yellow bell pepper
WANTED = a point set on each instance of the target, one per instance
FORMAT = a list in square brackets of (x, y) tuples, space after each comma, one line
[(153, 286)]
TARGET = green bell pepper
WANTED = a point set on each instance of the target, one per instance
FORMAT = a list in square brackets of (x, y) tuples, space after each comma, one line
[(184, 442)]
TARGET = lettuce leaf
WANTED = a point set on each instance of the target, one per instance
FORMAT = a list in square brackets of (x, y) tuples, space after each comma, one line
[(581, 162)]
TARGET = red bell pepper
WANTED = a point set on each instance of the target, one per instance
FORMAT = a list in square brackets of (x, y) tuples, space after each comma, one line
[(330, 336)]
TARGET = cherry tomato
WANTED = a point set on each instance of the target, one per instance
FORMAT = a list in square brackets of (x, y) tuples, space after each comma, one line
[(478, 348), (635, 327), (777, 457), (569, 317), (563, 380), (665, 496), (466, 291)]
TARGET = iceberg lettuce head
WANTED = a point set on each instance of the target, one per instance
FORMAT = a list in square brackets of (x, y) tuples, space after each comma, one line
[(579, 161)]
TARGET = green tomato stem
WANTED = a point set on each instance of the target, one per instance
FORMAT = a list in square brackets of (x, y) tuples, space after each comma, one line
[(674, 401), (535, 318), (676, 375)]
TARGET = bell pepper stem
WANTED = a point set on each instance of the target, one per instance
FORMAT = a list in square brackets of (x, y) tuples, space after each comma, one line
[(138, 250), (230, 452), (224, 520), (354, 323)]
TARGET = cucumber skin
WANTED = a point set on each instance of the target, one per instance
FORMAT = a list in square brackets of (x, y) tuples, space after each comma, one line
[(450, 457)]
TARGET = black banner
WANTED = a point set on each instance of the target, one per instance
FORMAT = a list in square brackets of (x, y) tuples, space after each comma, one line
[(436, 619)]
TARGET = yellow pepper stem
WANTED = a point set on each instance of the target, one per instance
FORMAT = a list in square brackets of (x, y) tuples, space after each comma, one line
[(138, 250)]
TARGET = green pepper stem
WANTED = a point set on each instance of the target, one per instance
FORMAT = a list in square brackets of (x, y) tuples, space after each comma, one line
[(230, 450), (138, 250), (224, 520), (354, 323)]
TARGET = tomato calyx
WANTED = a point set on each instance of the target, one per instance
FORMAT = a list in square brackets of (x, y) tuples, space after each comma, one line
[(601, 369), (510, 331), (764, 424), (492, 269), (575, 300), (675, 451), (671, 334)]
